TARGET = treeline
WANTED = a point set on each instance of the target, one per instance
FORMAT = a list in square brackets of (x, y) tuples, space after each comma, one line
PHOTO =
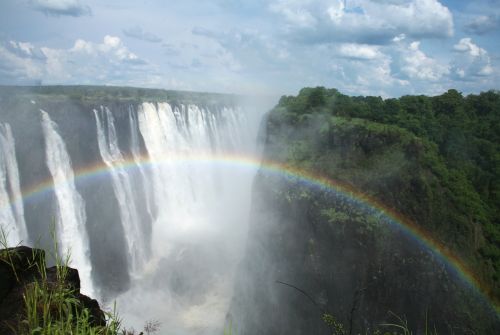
[(460, 133), (90, 93)]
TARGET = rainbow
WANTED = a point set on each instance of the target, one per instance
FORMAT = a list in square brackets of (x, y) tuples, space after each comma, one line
[(416, 232)]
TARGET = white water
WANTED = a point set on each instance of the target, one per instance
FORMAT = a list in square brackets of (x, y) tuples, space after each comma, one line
[(71, 218), (145, 181), (11, 205), (201, 204), (113, 158), (183, 203), (178, 189)]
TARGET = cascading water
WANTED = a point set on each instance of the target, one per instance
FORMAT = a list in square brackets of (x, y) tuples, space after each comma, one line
[(201, 212), (113, 158), (149, 199), (71, 218), (11, 206), (144, 181)]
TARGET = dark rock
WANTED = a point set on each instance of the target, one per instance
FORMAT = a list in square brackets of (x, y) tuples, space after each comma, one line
[(72, 278), (98, 317), (18, 264), (21, 267)]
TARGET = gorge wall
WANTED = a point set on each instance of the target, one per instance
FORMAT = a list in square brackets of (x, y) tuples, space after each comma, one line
[(356, 216)]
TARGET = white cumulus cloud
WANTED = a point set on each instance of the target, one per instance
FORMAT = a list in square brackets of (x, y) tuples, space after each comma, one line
[(85, 62), (359, 51), (415, 64), (363, 21), (471, 61)]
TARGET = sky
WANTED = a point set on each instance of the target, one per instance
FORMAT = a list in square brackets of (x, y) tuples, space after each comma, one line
[(386, 48)]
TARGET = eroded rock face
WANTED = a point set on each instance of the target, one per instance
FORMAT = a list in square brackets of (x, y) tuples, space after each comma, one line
[(21, 267), (309, 253)]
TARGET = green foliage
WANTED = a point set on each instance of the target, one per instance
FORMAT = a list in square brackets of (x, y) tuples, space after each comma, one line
[(54, 309), (434, 159), (336, 326), (51, 308)]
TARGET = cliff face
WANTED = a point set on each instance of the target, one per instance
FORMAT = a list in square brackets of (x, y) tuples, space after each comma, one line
[(20, 268), (313, 251)]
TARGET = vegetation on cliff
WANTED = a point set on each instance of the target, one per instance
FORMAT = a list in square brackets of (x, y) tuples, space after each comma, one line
[(434, 159)]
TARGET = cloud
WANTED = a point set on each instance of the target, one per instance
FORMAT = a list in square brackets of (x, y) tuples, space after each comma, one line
[(294, 13), (414, 64), (24, 49), (17, 69), (359, 51), (85, 62), (362, 21), (250, 50), (62, 7), (138, 33), (483, 24), (466, 45), (111, 46), (472, 61), (366, 77)]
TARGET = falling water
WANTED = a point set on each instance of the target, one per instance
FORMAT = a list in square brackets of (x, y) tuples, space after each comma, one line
[(144, 180), (71, 218), (160, 180), (11, 206), (113, 158), (201, 210)]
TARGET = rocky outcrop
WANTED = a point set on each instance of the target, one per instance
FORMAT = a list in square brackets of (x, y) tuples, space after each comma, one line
[(21, 267)]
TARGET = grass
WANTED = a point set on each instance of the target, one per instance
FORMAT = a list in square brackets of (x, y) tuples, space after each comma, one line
[(52, 308)]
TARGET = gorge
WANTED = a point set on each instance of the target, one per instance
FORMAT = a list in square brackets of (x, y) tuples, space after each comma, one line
[(202, 210)]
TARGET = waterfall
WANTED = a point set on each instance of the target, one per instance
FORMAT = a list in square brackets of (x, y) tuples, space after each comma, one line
[(11, 205), (184, 188), (113, 158), (147, 188), (201, 203), (159, 219), (71, 218)]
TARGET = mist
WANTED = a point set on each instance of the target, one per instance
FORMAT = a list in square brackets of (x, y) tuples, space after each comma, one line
[(151, 200), (199, 236)]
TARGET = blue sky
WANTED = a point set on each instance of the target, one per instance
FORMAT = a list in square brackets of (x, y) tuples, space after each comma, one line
[(361, 47)]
